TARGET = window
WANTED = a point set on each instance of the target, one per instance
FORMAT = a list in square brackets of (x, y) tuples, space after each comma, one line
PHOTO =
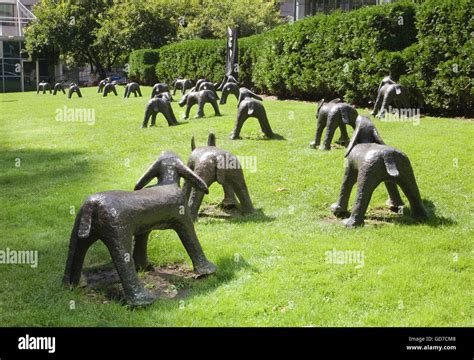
[(6, 10)]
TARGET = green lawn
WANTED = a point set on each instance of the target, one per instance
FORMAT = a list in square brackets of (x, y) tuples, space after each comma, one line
[(272, 268)]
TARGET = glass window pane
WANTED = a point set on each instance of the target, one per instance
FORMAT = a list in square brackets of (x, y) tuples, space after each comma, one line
[(11, 49)]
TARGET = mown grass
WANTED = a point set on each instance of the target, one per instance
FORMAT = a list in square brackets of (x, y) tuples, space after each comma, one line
[(272, 268)]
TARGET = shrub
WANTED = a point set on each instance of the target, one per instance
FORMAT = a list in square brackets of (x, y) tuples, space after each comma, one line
[(142, 65)]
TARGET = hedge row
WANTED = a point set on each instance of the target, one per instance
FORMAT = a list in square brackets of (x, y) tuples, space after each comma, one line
[(428, 47), (142, 65)]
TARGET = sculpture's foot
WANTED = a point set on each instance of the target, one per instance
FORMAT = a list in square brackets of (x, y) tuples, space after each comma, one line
[(372, 113), (325, 148), (205, 268), (313, 145), (142, 299), (146, 266), (143, 126), (339, 212), (198, 116), (396, 208), (234, 137), (218, 114), (352, 223), (227, 205)]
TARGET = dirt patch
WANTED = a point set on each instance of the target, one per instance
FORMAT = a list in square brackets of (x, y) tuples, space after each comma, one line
[(375, 216), (216, 211), (165, 282)]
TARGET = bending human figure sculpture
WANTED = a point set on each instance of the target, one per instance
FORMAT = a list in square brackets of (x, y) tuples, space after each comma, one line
[(159, 105), (159, 88), (332, 115), (43, 86), (132, 87), (123, 220), (370, 162), (102, 84), (390, 96), (200, 98), (59, 86), (183, 85), (110, 88), (73, 88), (251, 107), (213, 164)]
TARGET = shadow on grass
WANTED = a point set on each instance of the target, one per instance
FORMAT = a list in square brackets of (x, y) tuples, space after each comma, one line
[(379, 216), (167, 282), (233, 214), (38, 169)]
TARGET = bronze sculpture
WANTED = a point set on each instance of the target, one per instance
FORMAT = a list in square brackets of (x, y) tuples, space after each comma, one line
[(102, 84), (370, 162), (251, 107), (110, 87), (183, 85), (159, 105), (123, 220), (213, 164), (132, 87), (201, 98), (332, 115), (74, 88), (58, 87), (159, 88), (228, 89), (43, 86), (390, 94)]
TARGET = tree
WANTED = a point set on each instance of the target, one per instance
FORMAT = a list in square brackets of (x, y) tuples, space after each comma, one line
[(210, 18)]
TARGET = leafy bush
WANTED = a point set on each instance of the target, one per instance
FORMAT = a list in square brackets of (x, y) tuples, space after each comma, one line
[(428, 48), (142, 65)]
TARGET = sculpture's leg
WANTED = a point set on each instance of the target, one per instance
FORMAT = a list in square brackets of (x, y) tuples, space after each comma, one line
[(330, 130), (216, 107), (38, 90), (77, 252), (153, 119), (174, 89), (229, 202), (140, 251), (344, 139), (44, 89), (115, 91), (169, 117), (241, 117), (62, 89), (188, 109), (183, 90), (383, 107), (408, 184), (240, 187), (319, 132), (265, 124), (394, 201), (79, 93), (55, 91), (200, 112), (366, 186), (49, 90), (378, 103), (125, 93), (139, 91), (120, 248), (340, 207), (187, 234), (223, 98)]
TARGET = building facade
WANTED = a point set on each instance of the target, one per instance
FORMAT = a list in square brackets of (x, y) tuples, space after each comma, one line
[(298, 9), (18, 71)]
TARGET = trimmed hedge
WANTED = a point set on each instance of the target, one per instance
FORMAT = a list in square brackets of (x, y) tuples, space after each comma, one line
[(142, 65), (428, 47)]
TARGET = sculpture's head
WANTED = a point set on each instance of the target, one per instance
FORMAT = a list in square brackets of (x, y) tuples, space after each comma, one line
[(168, 169)]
